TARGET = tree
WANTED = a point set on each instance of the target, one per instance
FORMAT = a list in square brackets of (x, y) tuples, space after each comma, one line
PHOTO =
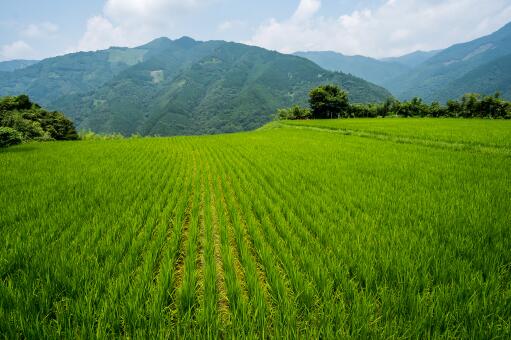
[(295, 112), (328, 101), (34, 123), (9, 136), (470, 105), (453, 108), (436, 110)]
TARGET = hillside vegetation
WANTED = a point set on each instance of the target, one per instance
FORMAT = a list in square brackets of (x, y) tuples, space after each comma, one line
[(177, 87), (459, 69), (487, 78), (373, 70), (478, 66), (23, 121), (13, 65), (413, 59), (330, 101), (385, 228)]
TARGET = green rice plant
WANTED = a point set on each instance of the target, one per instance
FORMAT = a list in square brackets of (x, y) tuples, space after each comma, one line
[(391, 228)]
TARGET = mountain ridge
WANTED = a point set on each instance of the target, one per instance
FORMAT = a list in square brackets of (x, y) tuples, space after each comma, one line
[(413, 59), (370, 69), (432, 79), (16, 64), (176, 87)]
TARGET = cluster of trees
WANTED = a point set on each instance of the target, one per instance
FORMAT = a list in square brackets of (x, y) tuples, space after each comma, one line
[(330, 101), (21, 120)]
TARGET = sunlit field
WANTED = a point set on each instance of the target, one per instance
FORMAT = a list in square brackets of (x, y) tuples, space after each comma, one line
[(395, 228)]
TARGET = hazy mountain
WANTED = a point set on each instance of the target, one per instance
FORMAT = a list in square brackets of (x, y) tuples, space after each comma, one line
[(370, 69), (81, 72), (489, 78), (177, 87), (13, 65), (438, 77), (413, 59)]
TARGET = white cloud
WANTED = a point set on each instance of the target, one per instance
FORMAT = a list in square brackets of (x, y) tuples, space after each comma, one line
[(101, 33), (133, 22), (16, 50), (230, 25), (42, 30), (148, 11), (306, 9), (393, 28)]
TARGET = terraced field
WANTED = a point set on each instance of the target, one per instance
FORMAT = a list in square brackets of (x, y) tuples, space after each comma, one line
[(290, 231)]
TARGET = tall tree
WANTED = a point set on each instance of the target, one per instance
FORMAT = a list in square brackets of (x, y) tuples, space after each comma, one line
[(328, 101)]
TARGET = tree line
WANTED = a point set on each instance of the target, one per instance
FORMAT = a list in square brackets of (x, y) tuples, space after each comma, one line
[(330, 101), (22, 120)]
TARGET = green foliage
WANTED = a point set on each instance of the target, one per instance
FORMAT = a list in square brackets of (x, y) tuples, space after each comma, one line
[(295, 112), (90, 135), (289, 232), (470, 106), (19, 103), (9, 137), (33, 122), (328, 101)]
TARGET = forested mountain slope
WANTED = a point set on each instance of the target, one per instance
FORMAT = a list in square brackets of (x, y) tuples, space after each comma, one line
[(370, 69), (175, 87), (447, 74)]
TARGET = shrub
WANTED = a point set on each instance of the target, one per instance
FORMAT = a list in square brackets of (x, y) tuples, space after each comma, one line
[(90, 135), (295, 112), (330, 101), (33, 122), (9, 136)]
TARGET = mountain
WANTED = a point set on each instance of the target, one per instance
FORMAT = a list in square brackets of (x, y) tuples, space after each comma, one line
[(177, 87), (13, 65), (489, 78), (81, 72), (373, 70), (413, 59), (441, 76)]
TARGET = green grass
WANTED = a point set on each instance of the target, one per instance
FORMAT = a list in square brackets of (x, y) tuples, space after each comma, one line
[(289, 231), (478, 132)]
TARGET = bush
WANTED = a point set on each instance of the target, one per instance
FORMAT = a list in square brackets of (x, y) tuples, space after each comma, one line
[(90, 135), (295, 112), (33, 122), (9, 136), (330, 101)]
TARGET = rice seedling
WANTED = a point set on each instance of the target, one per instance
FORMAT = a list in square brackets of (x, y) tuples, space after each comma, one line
[(366, 228)]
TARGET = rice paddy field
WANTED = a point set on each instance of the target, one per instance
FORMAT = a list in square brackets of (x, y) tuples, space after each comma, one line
[(390, 228)]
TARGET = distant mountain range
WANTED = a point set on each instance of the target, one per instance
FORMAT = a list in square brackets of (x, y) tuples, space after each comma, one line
[(13, 65), (373, 70), (177, 87), (481, 65), (414, 59), (457, 70), (381, 72)]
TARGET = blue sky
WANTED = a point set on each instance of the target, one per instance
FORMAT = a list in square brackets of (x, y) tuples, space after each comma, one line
[(379, 28)]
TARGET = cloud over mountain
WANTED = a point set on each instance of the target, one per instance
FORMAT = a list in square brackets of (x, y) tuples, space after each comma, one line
[(394, 27), (131, 22)]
